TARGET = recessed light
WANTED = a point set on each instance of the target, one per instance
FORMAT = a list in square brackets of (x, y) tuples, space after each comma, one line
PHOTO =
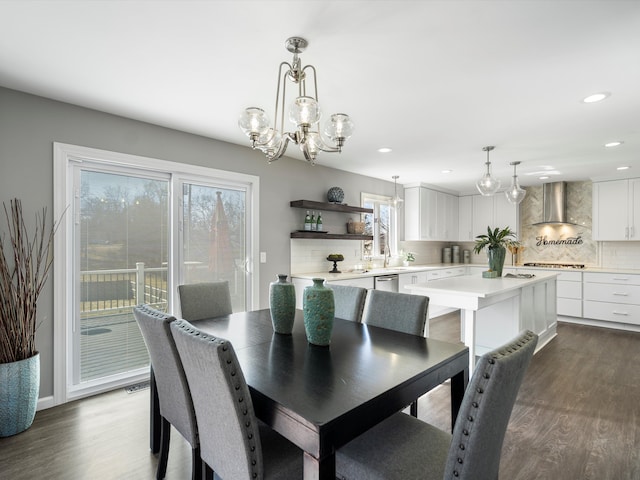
[(625, 167), (447, 171), (596, 97), (543, 178), (384, 150), (613, 144)]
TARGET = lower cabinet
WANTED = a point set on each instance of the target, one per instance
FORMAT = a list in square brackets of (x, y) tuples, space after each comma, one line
[(301, 283), (612, 297), (569, 287)]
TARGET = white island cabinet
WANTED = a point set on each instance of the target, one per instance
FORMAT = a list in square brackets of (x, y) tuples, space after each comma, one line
[(495, 310)]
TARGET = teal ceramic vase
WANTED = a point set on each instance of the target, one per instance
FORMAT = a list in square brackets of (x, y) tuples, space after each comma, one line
[(319, 311), (19, 390), (496, 259), (282, 304)]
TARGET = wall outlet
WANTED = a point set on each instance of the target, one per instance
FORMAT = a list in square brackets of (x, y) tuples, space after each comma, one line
[(263, 257)]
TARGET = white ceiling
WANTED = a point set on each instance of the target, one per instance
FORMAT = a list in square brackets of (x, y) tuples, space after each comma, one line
[(434, 80)]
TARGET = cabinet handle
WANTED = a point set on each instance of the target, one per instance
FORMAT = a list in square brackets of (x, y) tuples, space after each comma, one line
[(621, 313), (619, 294)]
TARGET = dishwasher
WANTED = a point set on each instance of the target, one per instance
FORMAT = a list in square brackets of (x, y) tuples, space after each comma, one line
[(387, 283)]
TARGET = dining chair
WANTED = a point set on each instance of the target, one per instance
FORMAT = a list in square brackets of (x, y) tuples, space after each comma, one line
[(396, 311), (403, 447), (204, 300), (233, 442), (349, 301), (176, 406)]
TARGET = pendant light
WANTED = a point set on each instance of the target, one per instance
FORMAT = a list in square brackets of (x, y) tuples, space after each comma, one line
[(515, 194), (396, 201), (488, 185)]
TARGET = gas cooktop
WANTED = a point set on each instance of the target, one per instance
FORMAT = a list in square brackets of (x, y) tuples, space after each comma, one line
[(554, 265)]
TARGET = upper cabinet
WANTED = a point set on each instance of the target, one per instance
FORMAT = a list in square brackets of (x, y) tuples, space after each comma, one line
[(430, 214), (616, 210), (494, 211)]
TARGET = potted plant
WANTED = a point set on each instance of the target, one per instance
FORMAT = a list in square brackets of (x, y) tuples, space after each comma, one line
[(408, 257), (496, 241), (25, 262)]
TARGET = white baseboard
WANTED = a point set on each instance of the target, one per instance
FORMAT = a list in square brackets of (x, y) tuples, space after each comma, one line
[(599, 323), (45, 402)]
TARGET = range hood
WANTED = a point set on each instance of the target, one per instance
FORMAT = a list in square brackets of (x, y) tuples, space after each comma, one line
[(554, 204)]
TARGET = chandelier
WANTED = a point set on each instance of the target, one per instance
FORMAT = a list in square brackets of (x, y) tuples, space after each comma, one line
[(304, 112), (515, 194), (488, 185)]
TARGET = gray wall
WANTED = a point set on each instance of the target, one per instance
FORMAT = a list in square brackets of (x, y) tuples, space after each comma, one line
[(29, 125)]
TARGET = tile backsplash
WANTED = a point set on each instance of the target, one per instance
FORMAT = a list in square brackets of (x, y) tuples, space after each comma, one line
[(558, 243)]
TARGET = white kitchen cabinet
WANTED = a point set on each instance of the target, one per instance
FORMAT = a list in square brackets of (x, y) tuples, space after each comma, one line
[(430, 214), (616, 210), (612, 297), (412, 278), (465, 219), (494, 212), (301, 283), (569, 289)]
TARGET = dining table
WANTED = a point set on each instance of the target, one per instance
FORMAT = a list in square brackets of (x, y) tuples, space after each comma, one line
[(322, 397)]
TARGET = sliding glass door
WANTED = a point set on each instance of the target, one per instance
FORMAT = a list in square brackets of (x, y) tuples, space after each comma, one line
[(136, 228)]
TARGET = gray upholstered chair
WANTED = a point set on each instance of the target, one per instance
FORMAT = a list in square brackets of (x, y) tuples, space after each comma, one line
[(176, 407), (233, 442), (403, 447), (396, 311), (204, 300), (349, 301)]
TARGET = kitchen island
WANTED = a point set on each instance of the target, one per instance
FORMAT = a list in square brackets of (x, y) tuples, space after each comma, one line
[(494, 310)]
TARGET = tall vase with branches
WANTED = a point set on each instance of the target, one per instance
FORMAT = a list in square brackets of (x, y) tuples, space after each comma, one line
[(26, 258)]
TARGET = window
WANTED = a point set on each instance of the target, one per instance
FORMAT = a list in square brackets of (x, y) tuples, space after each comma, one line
[(382, 224)]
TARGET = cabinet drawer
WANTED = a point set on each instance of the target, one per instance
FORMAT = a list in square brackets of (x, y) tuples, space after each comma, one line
[(445, 273), (569, 289), (617, 278), (605, 292), (612, 312), (570, 276), (569, 307)]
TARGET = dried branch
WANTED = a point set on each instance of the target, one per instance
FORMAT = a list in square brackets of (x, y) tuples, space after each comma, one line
[(25, 264)]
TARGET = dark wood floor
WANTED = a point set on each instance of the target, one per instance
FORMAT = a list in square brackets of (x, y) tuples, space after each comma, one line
[(577, 417)]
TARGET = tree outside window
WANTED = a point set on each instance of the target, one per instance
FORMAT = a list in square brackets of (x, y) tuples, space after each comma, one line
[(381, 224)]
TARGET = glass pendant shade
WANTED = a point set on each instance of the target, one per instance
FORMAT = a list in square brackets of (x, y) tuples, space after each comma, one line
[(304, 111), (488, 185), (397, 200), (515, 194), (339, 128), (269, 141), (253, 122)]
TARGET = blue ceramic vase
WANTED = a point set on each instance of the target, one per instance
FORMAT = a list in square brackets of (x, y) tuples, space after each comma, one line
[(319, 312), (282, 304), (19, 389)]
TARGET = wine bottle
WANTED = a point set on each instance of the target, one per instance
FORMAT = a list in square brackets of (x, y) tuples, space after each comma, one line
[(307, 221), (313, 220), (319, 222)]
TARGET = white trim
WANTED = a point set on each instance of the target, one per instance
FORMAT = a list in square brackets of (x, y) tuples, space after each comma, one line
[(63, 156)]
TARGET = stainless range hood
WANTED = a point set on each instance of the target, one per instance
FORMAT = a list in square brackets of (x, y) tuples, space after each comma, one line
[(554, 204)]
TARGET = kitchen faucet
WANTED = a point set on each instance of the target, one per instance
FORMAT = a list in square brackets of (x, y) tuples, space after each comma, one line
[(387, 255)]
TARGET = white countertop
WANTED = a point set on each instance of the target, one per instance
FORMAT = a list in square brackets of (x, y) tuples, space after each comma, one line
[(348, 275), (477, 286), (374, 272)]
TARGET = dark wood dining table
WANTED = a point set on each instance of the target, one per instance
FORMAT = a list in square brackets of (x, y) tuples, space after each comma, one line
[(320, 398)]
